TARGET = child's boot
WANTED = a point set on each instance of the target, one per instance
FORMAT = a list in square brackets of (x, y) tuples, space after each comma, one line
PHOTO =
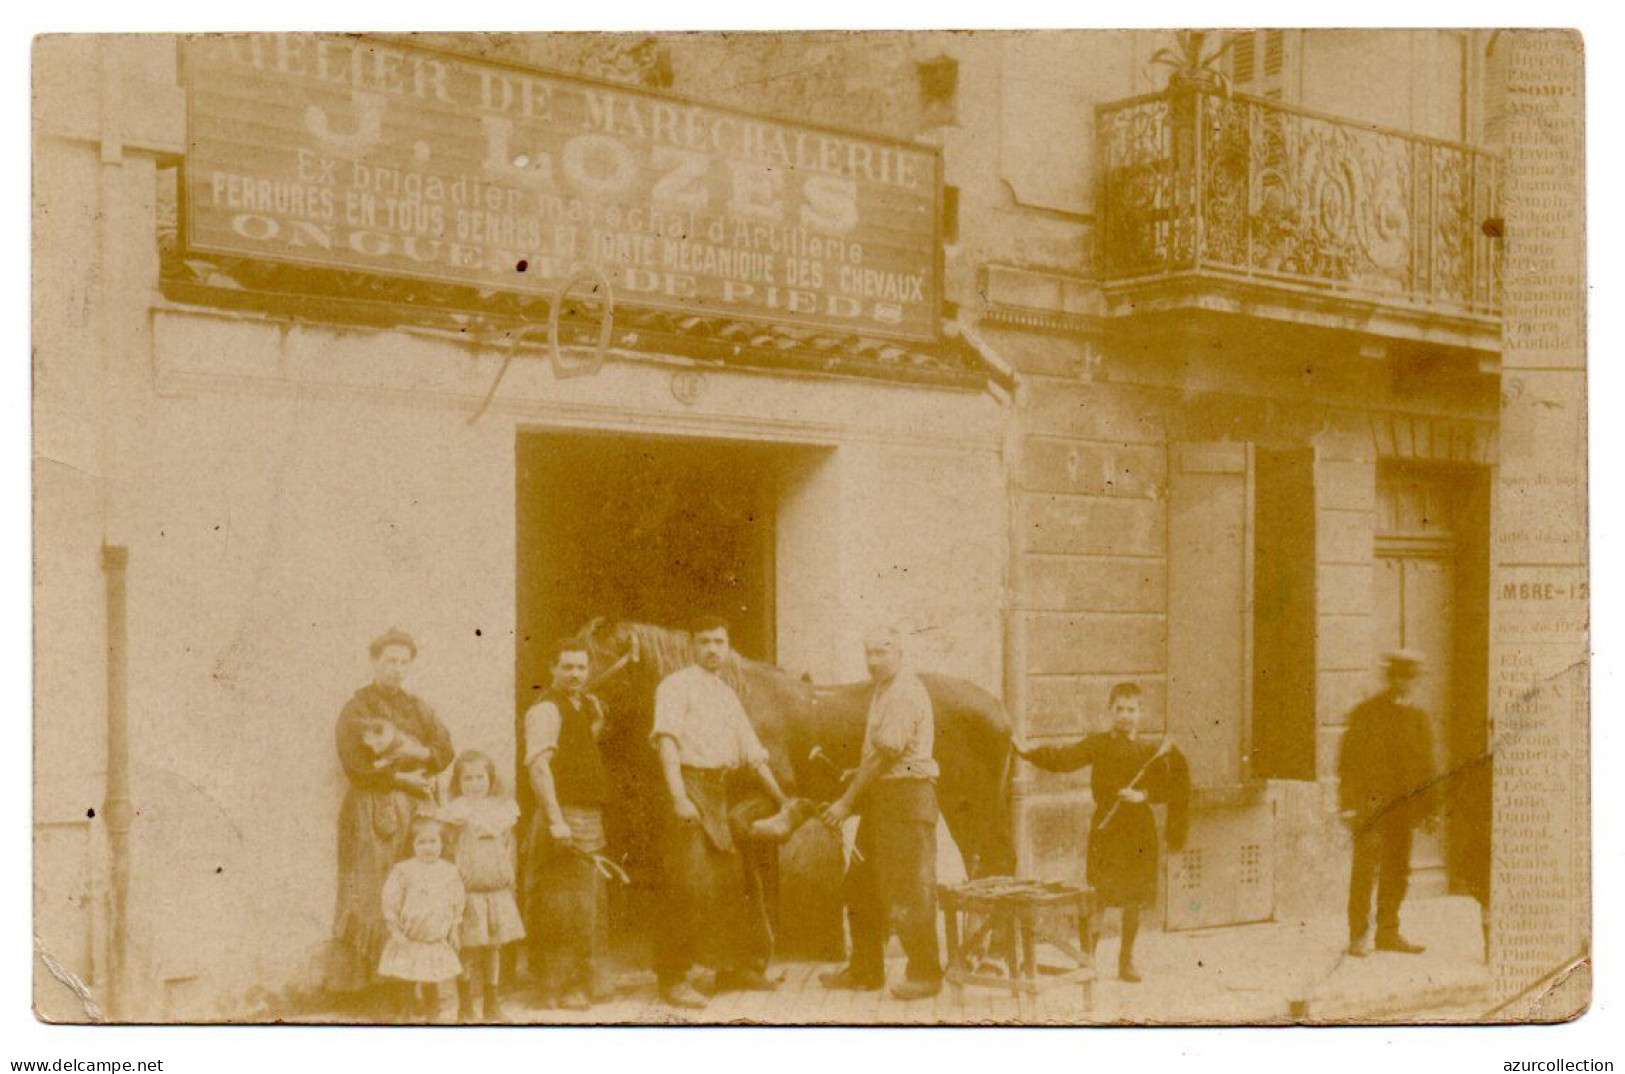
[(494, 1011), (465, 1002), (404, 1003)]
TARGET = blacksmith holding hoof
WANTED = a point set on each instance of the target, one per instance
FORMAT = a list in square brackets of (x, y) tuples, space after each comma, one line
[(1386, 787), (564, 890), (891, 881), (1125, 777), (713, 764)]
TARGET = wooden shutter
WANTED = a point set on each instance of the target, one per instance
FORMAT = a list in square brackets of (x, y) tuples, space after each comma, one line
[(1210, 608), (1262, 64)]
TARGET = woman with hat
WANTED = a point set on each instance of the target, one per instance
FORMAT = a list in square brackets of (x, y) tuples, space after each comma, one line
[(391, 746)]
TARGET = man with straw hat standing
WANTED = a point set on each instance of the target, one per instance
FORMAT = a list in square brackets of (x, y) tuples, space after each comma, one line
[(1386, 787)]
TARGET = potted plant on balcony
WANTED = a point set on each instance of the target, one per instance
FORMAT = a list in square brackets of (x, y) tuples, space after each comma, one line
[(1193, 62)]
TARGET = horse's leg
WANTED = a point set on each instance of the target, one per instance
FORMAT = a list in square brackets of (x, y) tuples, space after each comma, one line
[(974, 802)]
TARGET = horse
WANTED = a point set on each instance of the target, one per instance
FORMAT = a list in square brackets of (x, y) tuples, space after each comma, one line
[(813, 733)]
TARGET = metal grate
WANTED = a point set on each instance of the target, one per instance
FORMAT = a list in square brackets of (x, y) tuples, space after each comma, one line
[(1197, 181), (1190, 868), (1252, 864)]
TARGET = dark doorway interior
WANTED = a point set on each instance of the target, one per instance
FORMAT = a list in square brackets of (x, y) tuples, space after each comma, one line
[(657, 530), (1284, 614), (652, 529)]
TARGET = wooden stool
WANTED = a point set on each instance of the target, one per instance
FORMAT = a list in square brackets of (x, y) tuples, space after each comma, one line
[(1014, 916)]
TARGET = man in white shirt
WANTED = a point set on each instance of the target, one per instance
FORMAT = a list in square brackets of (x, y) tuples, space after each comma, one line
[(710, 757), (891, 882)]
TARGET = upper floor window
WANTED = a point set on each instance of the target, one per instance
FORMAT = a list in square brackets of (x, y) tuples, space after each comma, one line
[(1262, 63)]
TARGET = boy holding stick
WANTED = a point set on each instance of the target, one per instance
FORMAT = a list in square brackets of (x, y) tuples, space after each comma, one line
[(1125, 777)]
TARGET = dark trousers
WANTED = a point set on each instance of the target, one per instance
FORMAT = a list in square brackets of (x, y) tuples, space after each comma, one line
[(893, 885), (712, 911), (567, 925), (1382, 860)]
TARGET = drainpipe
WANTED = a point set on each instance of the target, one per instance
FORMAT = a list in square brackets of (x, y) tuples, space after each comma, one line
[(118, 810), (1010, 396), (117, 807), (1015, 607)]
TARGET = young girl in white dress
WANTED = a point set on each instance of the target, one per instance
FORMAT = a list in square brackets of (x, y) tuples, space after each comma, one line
[(423, 904), (484, 819)]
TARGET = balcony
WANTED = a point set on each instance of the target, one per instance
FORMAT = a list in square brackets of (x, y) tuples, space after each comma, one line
[(1243, 205)]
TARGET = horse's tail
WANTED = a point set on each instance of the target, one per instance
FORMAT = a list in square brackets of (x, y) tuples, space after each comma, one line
[(1007, 795), (973, 751), (999, 854)]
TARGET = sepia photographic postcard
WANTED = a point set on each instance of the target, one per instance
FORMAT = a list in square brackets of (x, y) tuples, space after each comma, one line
[(811, 528)]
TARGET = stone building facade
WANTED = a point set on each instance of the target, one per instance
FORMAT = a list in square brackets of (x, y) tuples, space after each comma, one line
[(1212, 406), (1256, 428)]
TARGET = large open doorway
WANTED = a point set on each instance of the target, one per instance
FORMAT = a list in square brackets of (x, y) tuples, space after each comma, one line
[(654, 529)]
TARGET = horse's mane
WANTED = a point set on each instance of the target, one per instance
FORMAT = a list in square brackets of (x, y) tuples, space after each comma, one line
[(664, 649), (668, 650)]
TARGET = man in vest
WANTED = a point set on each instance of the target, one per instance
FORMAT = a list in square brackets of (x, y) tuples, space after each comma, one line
[(712, 761), (892, 880), (564, 889)]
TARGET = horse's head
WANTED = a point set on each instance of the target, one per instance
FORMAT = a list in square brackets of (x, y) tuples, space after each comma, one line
[(629, 659), (611, 659), (605, 639)]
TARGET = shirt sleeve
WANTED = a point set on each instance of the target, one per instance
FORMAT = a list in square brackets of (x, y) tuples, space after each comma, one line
[(455, 812), (1426, 775), (542, 725), (354, 756), (394, 889), (1068, 758), (902, 712), (441, 752), (1350, 792), (670, 704)]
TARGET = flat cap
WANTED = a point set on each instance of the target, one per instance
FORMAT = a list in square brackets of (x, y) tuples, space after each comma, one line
[(392, 636), (1403, 658)]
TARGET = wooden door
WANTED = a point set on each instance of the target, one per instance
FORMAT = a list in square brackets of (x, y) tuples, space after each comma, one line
[(1416, 581)]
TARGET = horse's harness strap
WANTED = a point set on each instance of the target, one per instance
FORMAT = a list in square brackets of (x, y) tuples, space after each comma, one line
[(630, 656)]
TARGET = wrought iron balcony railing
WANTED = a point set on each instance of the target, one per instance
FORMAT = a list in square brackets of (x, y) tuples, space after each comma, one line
[(1194, 182)]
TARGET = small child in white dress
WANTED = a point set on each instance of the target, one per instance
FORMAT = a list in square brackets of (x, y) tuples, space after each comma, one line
[(423, 904), (484, 819)]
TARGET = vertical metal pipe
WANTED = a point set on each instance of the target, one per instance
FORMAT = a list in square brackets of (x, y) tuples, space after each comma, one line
[(1011, 400), (1015, 626), (118, 809)]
